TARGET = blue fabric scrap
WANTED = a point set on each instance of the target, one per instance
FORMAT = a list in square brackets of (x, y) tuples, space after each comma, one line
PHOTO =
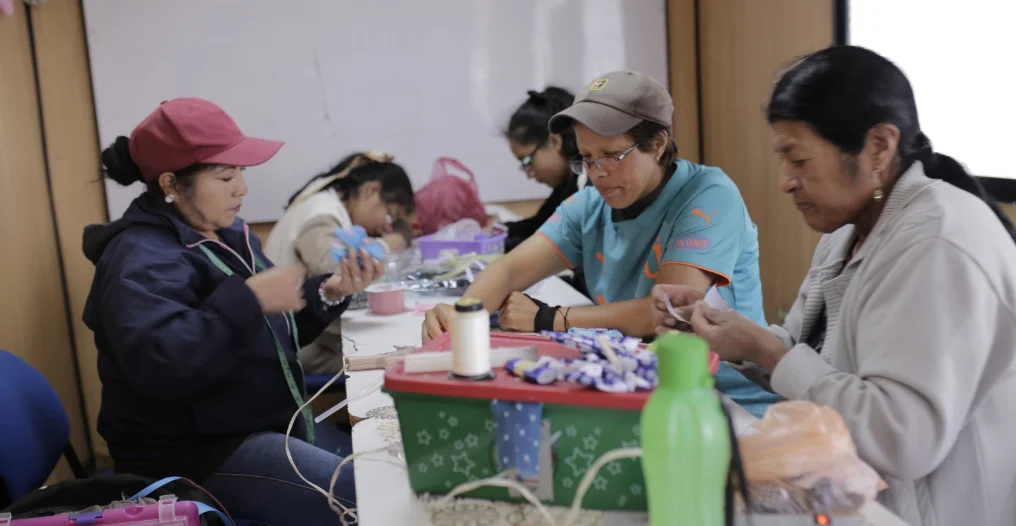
[(517, 433)]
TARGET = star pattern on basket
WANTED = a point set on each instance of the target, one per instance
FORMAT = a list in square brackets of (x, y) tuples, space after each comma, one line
[(423, 438), (461, 463), (579, 461)]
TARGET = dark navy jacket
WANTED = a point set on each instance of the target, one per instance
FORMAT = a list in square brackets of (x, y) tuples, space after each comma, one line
[(186, 359)]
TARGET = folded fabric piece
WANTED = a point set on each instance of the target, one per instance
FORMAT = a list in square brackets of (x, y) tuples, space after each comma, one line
[(593, 333), (355, 239)]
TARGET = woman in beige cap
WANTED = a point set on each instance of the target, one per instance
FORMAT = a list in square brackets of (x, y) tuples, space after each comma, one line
[(647, 218)]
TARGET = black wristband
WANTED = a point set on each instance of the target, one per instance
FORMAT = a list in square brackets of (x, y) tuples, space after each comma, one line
[(545, 318)]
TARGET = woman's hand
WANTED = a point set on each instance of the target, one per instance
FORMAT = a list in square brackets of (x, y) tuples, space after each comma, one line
[(349, 278), (279, 289), (682, 298), (518, 313), (736, 338), (437, 322)]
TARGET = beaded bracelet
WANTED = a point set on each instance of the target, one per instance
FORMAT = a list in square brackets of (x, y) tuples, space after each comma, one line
[(324, 299)]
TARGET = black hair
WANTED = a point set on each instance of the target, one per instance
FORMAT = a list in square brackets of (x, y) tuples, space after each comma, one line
[(118, 166), (396, 188), (529, 124), (842, 92), (645, 132)]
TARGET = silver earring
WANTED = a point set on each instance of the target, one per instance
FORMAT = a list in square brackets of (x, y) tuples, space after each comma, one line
[(879, 194), (170, 198)]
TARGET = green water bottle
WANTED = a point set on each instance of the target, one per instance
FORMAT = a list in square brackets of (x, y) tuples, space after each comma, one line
[(685, 438)]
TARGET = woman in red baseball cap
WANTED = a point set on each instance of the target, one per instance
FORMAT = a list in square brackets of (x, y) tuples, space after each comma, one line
[(198, 333)]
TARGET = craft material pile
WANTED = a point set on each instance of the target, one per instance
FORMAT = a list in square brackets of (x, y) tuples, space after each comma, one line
[(609, 362)]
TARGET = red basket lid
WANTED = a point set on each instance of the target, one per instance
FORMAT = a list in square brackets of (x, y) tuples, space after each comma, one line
[(507, 387)]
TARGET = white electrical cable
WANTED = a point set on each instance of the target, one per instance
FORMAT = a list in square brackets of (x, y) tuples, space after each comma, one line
[(587, 481), (335, 477), (289, 431), (292, 421)]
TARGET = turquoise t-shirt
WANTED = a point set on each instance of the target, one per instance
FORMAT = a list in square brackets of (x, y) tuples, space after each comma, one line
[(698, 219)]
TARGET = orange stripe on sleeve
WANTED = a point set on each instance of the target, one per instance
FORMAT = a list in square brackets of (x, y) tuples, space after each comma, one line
[(724, 280), (558, 249)]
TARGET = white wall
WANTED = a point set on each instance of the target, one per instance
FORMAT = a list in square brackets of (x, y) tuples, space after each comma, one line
[(418, 78), (960, 58)]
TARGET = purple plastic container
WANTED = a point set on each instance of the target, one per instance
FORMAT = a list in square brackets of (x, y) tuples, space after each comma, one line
[(482, 244), (168, 512)]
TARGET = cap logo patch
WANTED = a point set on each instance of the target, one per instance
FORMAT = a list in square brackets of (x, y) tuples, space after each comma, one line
[(598, 84)]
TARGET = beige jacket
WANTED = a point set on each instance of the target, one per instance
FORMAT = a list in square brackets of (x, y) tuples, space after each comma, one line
[(918, 355), (305, 235)]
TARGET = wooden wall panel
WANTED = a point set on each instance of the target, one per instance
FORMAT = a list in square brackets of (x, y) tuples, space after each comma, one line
[(1010, 210), (65, 93), (742, 44), (33, 321), (682, 57)]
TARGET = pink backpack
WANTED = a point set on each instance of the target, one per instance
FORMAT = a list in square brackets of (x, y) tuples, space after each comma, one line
[(448, 198)]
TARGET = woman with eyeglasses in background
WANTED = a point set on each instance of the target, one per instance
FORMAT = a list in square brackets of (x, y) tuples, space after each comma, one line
[(649, 218), (543, 156)]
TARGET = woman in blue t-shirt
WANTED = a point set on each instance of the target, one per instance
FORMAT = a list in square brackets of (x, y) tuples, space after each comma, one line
[(648, 218)]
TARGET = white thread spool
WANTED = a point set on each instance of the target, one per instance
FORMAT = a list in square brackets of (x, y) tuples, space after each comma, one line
[(471, 341)]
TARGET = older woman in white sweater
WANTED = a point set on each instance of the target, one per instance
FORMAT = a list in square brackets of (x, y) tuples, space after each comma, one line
[(905, 323)]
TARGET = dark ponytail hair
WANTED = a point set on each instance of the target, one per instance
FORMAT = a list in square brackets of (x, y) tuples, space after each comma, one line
[(118, 166), (843, 92), (529, 123), (396, 188)]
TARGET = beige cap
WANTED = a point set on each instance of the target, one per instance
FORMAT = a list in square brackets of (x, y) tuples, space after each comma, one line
[(615, 103)]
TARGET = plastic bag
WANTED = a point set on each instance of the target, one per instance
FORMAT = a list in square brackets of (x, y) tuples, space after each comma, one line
[(801, 455), (466, 229), (447, 198)]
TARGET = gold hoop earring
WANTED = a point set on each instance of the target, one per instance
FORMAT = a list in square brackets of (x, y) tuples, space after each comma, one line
[(879, 194)]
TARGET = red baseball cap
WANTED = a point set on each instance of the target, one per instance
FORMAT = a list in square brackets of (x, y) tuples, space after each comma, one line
[(187, 131)]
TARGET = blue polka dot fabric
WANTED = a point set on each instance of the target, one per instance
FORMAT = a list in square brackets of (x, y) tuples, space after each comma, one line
[(517, 432)]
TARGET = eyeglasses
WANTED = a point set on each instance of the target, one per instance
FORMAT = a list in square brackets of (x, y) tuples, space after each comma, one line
[(528, 160), (580, 167)]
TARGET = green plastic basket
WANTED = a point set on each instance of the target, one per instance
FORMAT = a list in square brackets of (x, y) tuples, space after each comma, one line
[(448, 432)]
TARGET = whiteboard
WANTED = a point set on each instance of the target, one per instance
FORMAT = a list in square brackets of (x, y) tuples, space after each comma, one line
[(418, 78)]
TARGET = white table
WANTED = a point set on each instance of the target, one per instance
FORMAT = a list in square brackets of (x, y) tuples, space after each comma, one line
[(383, 493), (381, 334)]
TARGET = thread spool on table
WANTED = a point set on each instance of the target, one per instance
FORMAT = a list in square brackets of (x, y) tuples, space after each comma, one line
[(471, 341)]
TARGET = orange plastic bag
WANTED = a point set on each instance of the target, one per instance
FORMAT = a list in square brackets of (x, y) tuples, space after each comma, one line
[(806, 447)]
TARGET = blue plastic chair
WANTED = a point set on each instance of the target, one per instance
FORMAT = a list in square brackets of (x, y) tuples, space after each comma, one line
[(35, 431)]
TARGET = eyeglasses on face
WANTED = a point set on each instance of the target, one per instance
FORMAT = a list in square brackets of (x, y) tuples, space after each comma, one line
[(606, 163), (527, 161)]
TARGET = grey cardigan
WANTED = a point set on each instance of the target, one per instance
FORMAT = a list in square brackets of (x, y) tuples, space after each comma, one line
[(918, 353)]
